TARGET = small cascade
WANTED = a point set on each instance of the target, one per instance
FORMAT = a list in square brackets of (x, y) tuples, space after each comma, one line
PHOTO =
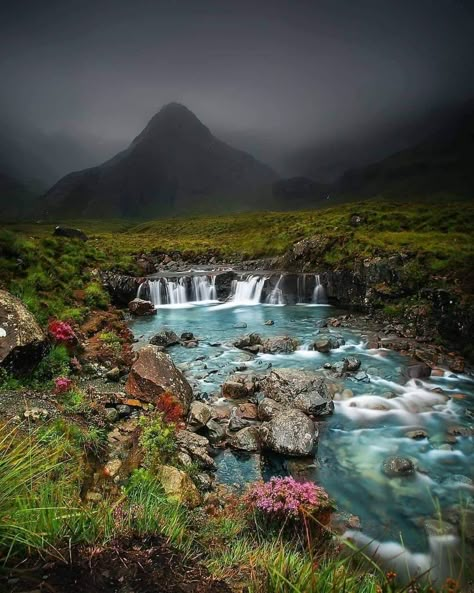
[(319, 294), (247, 291), (301, 288), (180, 291), (276, 295), (203, 288)]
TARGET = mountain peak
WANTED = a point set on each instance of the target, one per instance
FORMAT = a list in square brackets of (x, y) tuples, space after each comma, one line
[(174, 120)]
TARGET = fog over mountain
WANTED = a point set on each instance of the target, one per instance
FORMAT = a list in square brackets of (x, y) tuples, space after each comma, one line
[(309, 88)]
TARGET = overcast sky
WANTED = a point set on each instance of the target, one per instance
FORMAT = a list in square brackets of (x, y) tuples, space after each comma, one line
[(281, 73)]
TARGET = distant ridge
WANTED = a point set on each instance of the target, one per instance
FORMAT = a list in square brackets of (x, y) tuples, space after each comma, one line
[(173, 164)]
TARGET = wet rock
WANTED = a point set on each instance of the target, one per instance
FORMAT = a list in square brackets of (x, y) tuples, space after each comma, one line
[(248, 411), (236, 422), (289, 433), (246, 439), (113, 374), (279, 345), (362, 377), (417, 434), (398, 466), (196, 446), (179, 486), (199, 415), (61, 231), (22, 341), (268, 408), (269, 322), (248, 341), (215, 431), (417, 370), (165, 338), (187, 336), (153, 374), (191, 344), (352, 364), (323, 345), (303, 390), (242, 325), (141, 308)]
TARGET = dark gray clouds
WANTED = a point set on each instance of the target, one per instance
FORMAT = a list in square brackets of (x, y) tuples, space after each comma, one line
[(272, 76)]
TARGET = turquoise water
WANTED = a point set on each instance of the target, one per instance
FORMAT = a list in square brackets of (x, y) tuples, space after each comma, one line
[(364, 429)]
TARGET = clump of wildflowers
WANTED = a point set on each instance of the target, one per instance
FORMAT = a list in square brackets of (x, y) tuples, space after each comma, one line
[(62, 332), (285, 497), (62, 385)]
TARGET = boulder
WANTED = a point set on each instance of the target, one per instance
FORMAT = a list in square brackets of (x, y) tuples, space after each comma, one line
[(416, 369), (154, 373), (22, 341), (187, 337), (248, 341), (61, 231), (196, 446), (248, 411), (279, 345), (141, 308), (246, 439), (239, 387), (303, 390), (165, 338), (268, 408), (215, 431), (236, 422), (179, 486), (199, 415), (289, 433), (352, 364), (398, 466), (327, 343)]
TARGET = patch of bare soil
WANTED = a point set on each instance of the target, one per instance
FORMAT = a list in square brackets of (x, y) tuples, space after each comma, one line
[(131, 565)]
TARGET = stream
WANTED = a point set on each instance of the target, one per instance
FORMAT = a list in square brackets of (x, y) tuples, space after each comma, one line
[(366, 428)]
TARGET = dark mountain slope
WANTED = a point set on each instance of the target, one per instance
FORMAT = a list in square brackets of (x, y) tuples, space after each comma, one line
[(169, 168)]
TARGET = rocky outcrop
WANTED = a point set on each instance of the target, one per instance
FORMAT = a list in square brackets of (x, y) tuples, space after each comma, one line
[(122, 288), (246, 439), (279, 345), (303, 390), (289, 433), (165, 338), (153, 374), (61, 231), (22, 341), (196, 447), (141, 308)]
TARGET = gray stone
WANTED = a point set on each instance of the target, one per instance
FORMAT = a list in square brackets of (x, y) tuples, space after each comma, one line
[(280, 345), (398, 466), (215, 431), (289, 433), (165, 338), (268, 408), (246, 439), (199, 414)]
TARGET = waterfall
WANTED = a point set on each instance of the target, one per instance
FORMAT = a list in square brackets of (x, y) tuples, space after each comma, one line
[(276, 295), (301, 288), (203, 288), (247, 291), (181, 291), (319, 294)]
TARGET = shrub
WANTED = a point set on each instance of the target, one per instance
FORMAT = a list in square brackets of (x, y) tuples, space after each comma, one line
[(287, 498), (158, 440), (171, 409), (95, 296), (54, 364), (62, 332)]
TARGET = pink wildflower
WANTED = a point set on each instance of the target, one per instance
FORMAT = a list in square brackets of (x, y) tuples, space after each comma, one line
[(287, 497), (62, 384), (62, 331)]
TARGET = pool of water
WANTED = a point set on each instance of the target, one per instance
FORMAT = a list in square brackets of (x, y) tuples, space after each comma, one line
[(364, 429)]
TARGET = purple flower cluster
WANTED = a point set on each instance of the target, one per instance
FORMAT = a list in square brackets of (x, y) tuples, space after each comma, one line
[(287, 497), (62, 384)]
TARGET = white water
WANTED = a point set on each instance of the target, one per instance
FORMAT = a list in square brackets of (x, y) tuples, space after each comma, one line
[(319, 294), (276, 296), (247, 291), (180, 292)]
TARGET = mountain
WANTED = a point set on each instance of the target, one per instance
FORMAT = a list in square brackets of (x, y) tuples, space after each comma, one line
[(16, 200), (174, 166), (441, 165)]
